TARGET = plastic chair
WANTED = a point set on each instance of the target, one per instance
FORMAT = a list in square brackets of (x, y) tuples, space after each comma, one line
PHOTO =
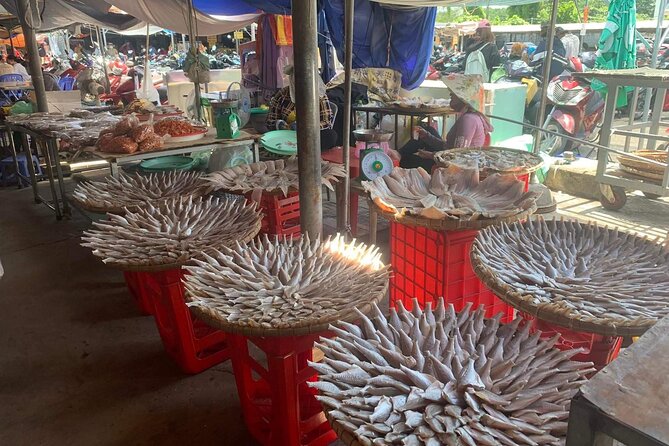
[(10, 96), (7, 170), (66, 83)]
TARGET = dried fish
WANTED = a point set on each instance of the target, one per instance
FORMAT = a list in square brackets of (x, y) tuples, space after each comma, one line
[(490, 159), (454, 396), (454, 192)]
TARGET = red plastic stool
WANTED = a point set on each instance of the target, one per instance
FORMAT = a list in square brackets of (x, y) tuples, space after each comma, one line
[(600, 350), (281, 213), (136, 288), (431, 264), (279, 408), (190, 342)]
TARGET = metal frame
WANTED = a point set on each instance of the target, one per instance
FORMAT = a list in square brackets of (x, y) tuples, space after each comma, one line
[(644, 78)]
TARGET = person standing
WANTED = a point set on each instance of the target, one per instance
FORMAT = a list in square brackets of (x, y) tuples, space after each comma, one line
[(539, 54), (570, 42), (482, 56)]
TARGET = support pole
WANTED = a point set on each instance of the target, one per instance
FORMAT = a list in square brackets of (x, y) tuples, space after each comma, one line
[(661, 6), (194, 47), (308, 116), (550, 37), (26, 18), (343, 208)]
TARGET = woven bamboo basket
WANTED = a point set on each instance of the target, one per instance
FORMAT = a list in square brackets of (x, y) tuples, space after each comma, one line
[(446, 157), (643, 168), (608, 323)]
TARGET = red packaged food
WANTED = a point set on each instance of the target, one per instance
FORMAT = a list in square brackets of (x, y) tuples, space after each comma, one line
[(122, 144), (141, 133), (153, 142)]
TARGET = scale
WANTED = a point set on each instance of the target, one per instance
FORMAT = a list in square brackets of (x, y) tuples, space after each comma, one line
[(226, 121), (374, 161)]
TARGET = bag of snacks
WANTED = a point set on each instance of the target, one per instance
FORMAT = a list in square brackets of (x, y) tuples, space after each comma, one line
[(123, 144), (152, 142), (126, 124), (141, 132)]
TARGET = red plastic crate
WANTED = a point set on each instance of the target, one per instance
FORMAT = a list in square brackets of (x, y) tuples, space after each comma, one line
[(192, 344), (278, 407), (525, 178), (430, 264), (281, 213), (600, 350), (136, 288)]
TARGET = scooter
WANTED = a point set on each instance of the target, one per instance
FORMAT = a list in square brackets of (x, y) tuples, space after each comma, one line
[(577, 112)]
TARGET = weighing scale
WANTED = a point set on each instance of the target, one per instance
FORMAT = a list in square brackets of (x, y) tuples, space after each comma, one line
[(226, 121), (374, 161)]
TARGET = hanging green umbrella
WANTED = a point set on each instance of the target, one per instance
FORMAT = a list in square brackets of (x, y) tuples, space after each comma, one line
[(617, 43)]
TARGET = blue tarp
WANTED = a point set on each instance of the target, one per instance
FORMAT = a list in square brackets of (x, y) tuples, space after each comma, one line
[(222, 7), (386, 37)]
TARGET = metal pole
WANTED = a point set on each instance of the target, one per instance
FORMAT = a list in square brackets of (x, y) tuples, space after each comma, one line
[(147, 71), (661, 6), (343, 211), (193, 45), (584, 22), (26, 18), (550, 36), (308, 122)]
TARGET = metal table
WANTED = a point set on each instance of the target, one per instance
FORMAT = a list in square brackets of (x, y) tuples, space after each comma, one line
[(412, 113), (627, 400), (209, 142), (613, 184), (53, 167)]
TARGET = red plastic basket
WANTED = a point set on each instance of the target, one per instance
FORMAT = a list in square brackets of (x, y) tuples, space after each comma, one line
[(136, 288), (281, 213), (430, 264), (600, 350), (272, 374), (192, 344)]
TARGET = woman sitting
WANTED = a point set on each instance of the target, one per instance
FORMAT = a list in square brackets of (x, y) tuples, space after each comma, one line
[(471, 129)]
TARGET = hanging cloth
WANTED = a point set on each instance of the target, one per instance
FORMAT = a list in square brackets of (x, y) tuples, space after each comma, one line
[(284, 30)]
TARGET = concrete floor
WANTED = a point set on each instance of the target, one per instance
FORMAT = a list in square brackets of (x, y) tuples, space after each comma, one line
[(79, 366)]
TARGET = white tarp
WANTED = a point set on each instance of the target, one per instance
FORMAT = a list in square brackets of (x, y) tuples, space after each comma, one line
[(173, 15)]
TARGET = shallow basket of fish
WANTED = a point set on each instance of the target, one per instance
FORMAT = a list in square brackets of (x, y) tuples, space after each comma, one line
[(269, 176), (434, 376), (285, 287), (168, 234), (577, 275), (451, 198), (644, 168), (491, 160), (117, 194)]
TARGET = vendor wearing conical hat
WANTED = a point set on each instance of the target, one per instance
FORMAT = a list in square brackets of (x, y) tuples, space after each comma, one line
[(471, 129)]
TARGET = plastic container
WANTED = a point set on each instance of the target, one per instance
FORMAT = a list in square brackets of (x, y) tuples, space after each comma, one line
[(430, 264), (600, 350), (278, 407), (192, 344), (281, 213)]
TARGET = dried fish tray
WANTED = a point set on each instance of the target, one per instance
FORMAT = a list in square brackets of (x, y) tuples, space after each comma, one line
[(428, 265), (491, 160), (116, 195), (450, 199), (576, 275), (285, 287), (435, 376), (165, 236), (645, 167)]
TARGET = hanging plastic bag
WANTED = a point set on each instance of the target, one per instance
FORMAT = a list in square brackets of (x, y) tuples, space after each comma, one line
[(196, 67)]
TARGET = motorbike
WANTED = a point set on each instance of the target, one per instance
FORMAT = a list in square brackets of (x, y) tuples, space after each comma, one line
[(577, 111)]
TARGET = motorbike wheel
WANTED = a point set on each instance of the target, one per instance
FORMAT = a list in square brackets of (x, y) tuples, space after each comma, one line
[(614, 199), (552, 144)]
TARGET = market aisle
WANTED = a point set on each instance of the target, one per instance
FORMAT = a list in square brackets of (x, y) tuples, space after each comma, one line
[(79, 366)]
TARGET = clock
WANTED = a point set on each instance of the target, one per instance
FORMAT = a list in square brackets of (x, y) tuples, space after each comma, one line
[(374, 163)]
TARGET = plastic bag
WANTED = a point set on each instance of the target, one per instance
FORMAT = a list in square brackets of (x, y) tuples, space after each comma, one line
[(122, 144), (152, 142), (141, 133), (126, 124)]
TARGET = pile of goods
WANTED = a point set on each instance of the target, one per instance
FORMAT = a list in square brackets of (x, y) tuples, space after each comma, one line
[(645, 169), (576, 274), (286, 284), (176, 127), (491, 159), (423, 103), (450, 193), (128, 191), (269, 176), (79, 129), (129, 136), (171, 232), (436, 377), (144, 108)]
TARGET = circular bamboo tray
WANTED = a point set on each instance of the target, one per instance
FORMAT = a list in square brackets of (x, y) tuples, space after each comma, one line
[(116, 241), (641, 167), (619, 273), (446, 157), (218, 289), (451, 224)]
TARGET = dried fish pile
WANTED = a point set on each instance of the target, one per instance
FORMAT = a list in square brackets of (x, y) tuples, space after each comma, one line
[(172, 231), (126, 191), (449, 193), (269, 176), (436, 377), (493, 159), (577, 275), (278, 285)]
